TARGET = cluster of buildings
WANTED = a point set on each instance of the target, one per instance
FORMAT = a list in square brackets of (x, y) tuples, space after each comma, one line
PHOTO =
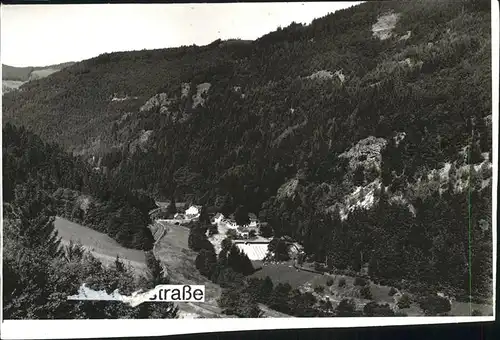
[(246, 236), (191, 213), (243, 231)]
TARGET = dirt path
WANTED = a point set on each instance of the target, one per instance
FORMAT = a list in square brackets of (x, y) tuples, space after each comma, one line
[(163, 230), (175, 258), (172, 249)]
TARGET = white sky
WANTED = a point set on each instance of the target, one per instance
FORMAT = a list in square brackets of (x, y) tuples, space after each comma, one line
[(38, 35)]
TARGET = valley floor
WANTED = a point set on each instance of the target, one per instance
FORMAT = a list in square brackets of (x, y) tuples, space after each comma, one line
[(306, 281), (171, 247)]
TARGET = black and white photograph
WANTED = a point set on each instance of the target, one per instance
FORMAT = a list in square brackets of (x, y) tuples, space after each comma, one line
[(249, 161)]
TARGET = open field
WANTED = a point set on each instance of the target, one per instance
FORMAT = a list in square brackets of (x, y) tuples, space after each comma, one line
[(462, 309), (172, 249), (9, 85), (283, 273), (335, 294), (307, 281), (99, 244)]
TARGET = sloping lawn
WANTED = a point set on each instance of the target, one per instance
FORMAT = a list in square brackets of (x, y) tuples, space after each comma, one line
[(99, 244)]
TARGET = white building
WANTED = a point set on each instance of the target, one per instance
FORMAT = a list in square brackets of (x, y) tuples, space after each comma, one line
[(230, 224), (193, 212), (217, 218)]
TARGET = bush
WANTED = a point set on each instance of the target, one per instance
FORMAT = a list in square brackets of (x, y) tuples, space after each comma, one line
[(476, 312), (375, 309), (434, 305), (346, 308), (329, 282), (232, 234), (327, 305), (359, 281), (341, 282), (404, 301), (265, 230), (392, 291), (366, 293), (319, 289)]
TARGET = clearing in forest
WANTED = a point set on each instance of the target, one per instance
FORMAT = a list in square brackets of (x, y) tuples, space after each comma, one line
[(103, 247)]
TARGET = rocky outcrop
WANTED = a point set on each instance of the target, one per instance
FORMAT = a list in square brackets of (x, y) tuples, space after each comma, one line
[(399, 137), (406, 36), (185, 88), (382, 29), (201, 93), (288, 190), (140, 142), (410, 63), (366, 153), (324, 74), (288, 131), (159, 102), (363, 197)]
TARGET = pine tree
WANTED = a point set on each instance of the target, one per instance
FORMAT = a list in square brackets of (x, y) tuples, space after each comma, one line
[(156, 274), (233, 258), (246, 267), (74, 252), (346, 307), (172, 209), (119, 266), (206, 261), (38, 231), (241, 216), (204, 218)]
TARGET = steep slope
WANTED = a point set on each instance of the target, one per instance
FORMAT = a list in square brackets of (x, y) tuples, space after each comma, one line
[(305, 126)]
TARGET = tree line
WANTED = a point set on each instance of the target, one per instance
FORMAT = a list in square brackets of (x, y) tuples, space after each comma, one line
[(72, 189)]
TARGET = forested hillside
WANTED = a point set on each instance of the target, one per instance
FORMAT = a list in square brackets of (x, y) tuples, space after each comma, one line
[(359, 139), (33, 169)]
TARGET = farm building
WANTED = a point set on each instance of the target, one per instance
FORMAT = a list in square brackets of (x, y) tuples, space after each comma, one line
[(242, 232), (231, 224), (193, 212)]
